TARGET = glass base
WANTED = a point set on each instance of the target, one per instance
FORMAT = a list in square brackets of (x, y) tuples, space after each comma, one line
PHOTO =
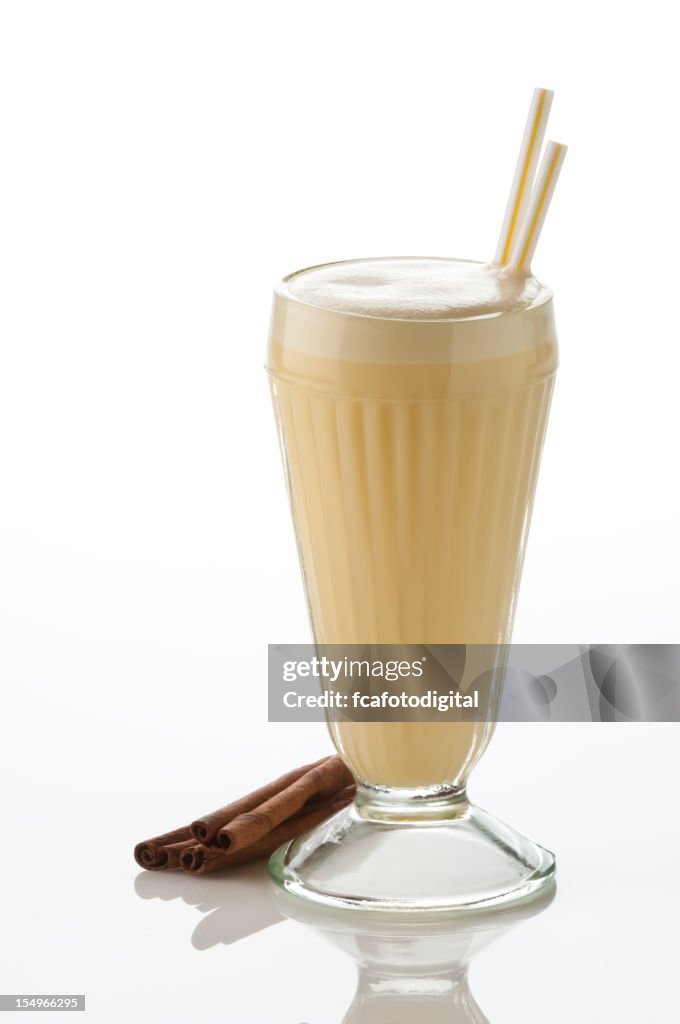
[(445, 855)]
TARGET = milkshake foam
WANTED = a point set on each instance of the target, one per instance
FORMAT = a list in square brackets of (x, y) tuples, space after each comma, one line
[(414, 289)]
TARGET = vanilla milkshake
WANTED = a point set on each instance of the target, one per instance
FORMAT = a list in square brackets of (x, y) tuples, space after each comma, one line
[(411, 397)]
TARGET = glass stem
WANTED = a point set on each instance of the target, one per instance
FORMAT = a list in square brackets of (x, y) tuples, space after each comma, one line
[(410, 805)]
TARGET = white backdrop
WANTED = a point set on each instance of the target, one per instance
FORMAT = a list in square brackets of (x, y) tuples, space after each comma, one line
[(164, 163)]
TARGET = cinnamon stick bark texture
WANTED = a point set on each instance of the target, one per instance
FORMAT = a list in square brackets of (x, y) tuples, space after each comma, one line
[(319, 782), (206, 828), (201, 860), (253, 826), (154, 854), (169, 856)]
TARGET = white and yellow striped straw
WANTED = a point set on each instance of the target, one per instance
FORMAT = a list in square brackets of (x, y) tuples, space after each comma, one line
[(525, 170), (524, 245)]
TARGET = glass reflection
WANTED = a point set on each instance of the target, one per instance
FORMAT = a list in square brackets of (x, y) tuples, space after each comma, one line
[(412, 971)]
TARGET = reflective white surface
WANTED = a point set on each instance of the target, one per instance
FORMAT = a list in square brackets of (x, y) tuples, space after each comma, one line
[(78, 915)]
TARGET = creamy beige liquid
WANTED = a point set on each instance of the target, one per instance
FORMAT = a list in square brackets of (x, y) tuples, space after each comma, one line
[(411, 443)]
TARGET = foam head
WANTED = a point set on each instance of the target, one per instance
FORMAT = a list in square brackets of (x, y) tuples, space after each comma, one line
[(409, 310), (414, 289)]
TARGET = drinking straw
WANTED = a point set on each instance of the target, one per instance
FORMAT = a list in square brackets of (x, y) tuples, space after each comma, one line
[(525, 170), (529, 230)]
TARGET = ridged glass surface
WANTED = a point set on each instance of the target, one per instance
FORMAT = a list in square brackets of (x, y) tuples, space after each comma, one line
[(411, 518)]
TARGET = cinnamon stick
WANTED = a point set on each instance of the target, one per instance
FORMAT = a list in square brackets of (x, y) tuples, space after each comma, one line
[(318, 783), (154, 855), (201, 860), (169, 857), (206, 828), (253, 826)]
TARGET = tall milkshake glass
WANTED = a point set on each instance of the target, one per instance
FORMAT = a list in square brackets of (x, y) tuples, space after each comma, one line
[(411, 397)]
